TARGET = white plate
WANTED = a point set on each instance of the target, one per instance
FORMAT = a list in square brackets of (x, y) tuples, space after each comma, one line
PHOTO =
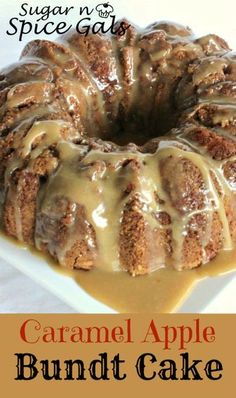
[(212, 295)]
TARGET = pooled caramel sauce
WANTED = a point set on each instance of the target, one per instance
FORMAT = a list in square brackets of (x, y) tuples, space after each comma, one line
[(162, 291)]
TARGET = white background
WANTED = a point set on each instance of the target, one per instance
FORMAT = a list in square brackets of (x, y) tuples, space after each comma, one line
[(203, 16), (17, 293)]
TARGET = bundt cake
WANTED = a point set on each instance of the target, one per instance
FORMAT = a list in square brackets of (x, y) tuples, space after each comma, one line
[(119, 151)]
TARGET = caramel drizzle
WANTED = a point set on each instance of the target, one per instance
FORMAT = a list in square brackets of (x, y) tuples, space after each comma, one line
[(97, 181)]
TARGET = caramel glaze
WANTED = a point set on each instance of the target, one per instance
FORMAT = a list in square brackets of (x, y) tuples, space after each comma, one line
[(72, 187), (162, 291), (165, 290)]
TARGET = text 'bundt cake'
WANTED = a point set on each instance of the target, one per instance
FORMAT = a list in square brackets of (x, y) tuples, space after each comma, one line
[(119, 151)]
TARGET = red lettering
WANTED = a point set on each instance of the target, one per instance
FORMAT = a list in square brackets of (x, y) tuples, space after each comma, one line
[(24, 329), (209, 334)]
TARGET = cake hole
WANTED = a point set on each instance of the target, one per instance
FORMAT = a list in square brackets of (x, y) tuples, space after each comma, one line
[(140, 128)]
